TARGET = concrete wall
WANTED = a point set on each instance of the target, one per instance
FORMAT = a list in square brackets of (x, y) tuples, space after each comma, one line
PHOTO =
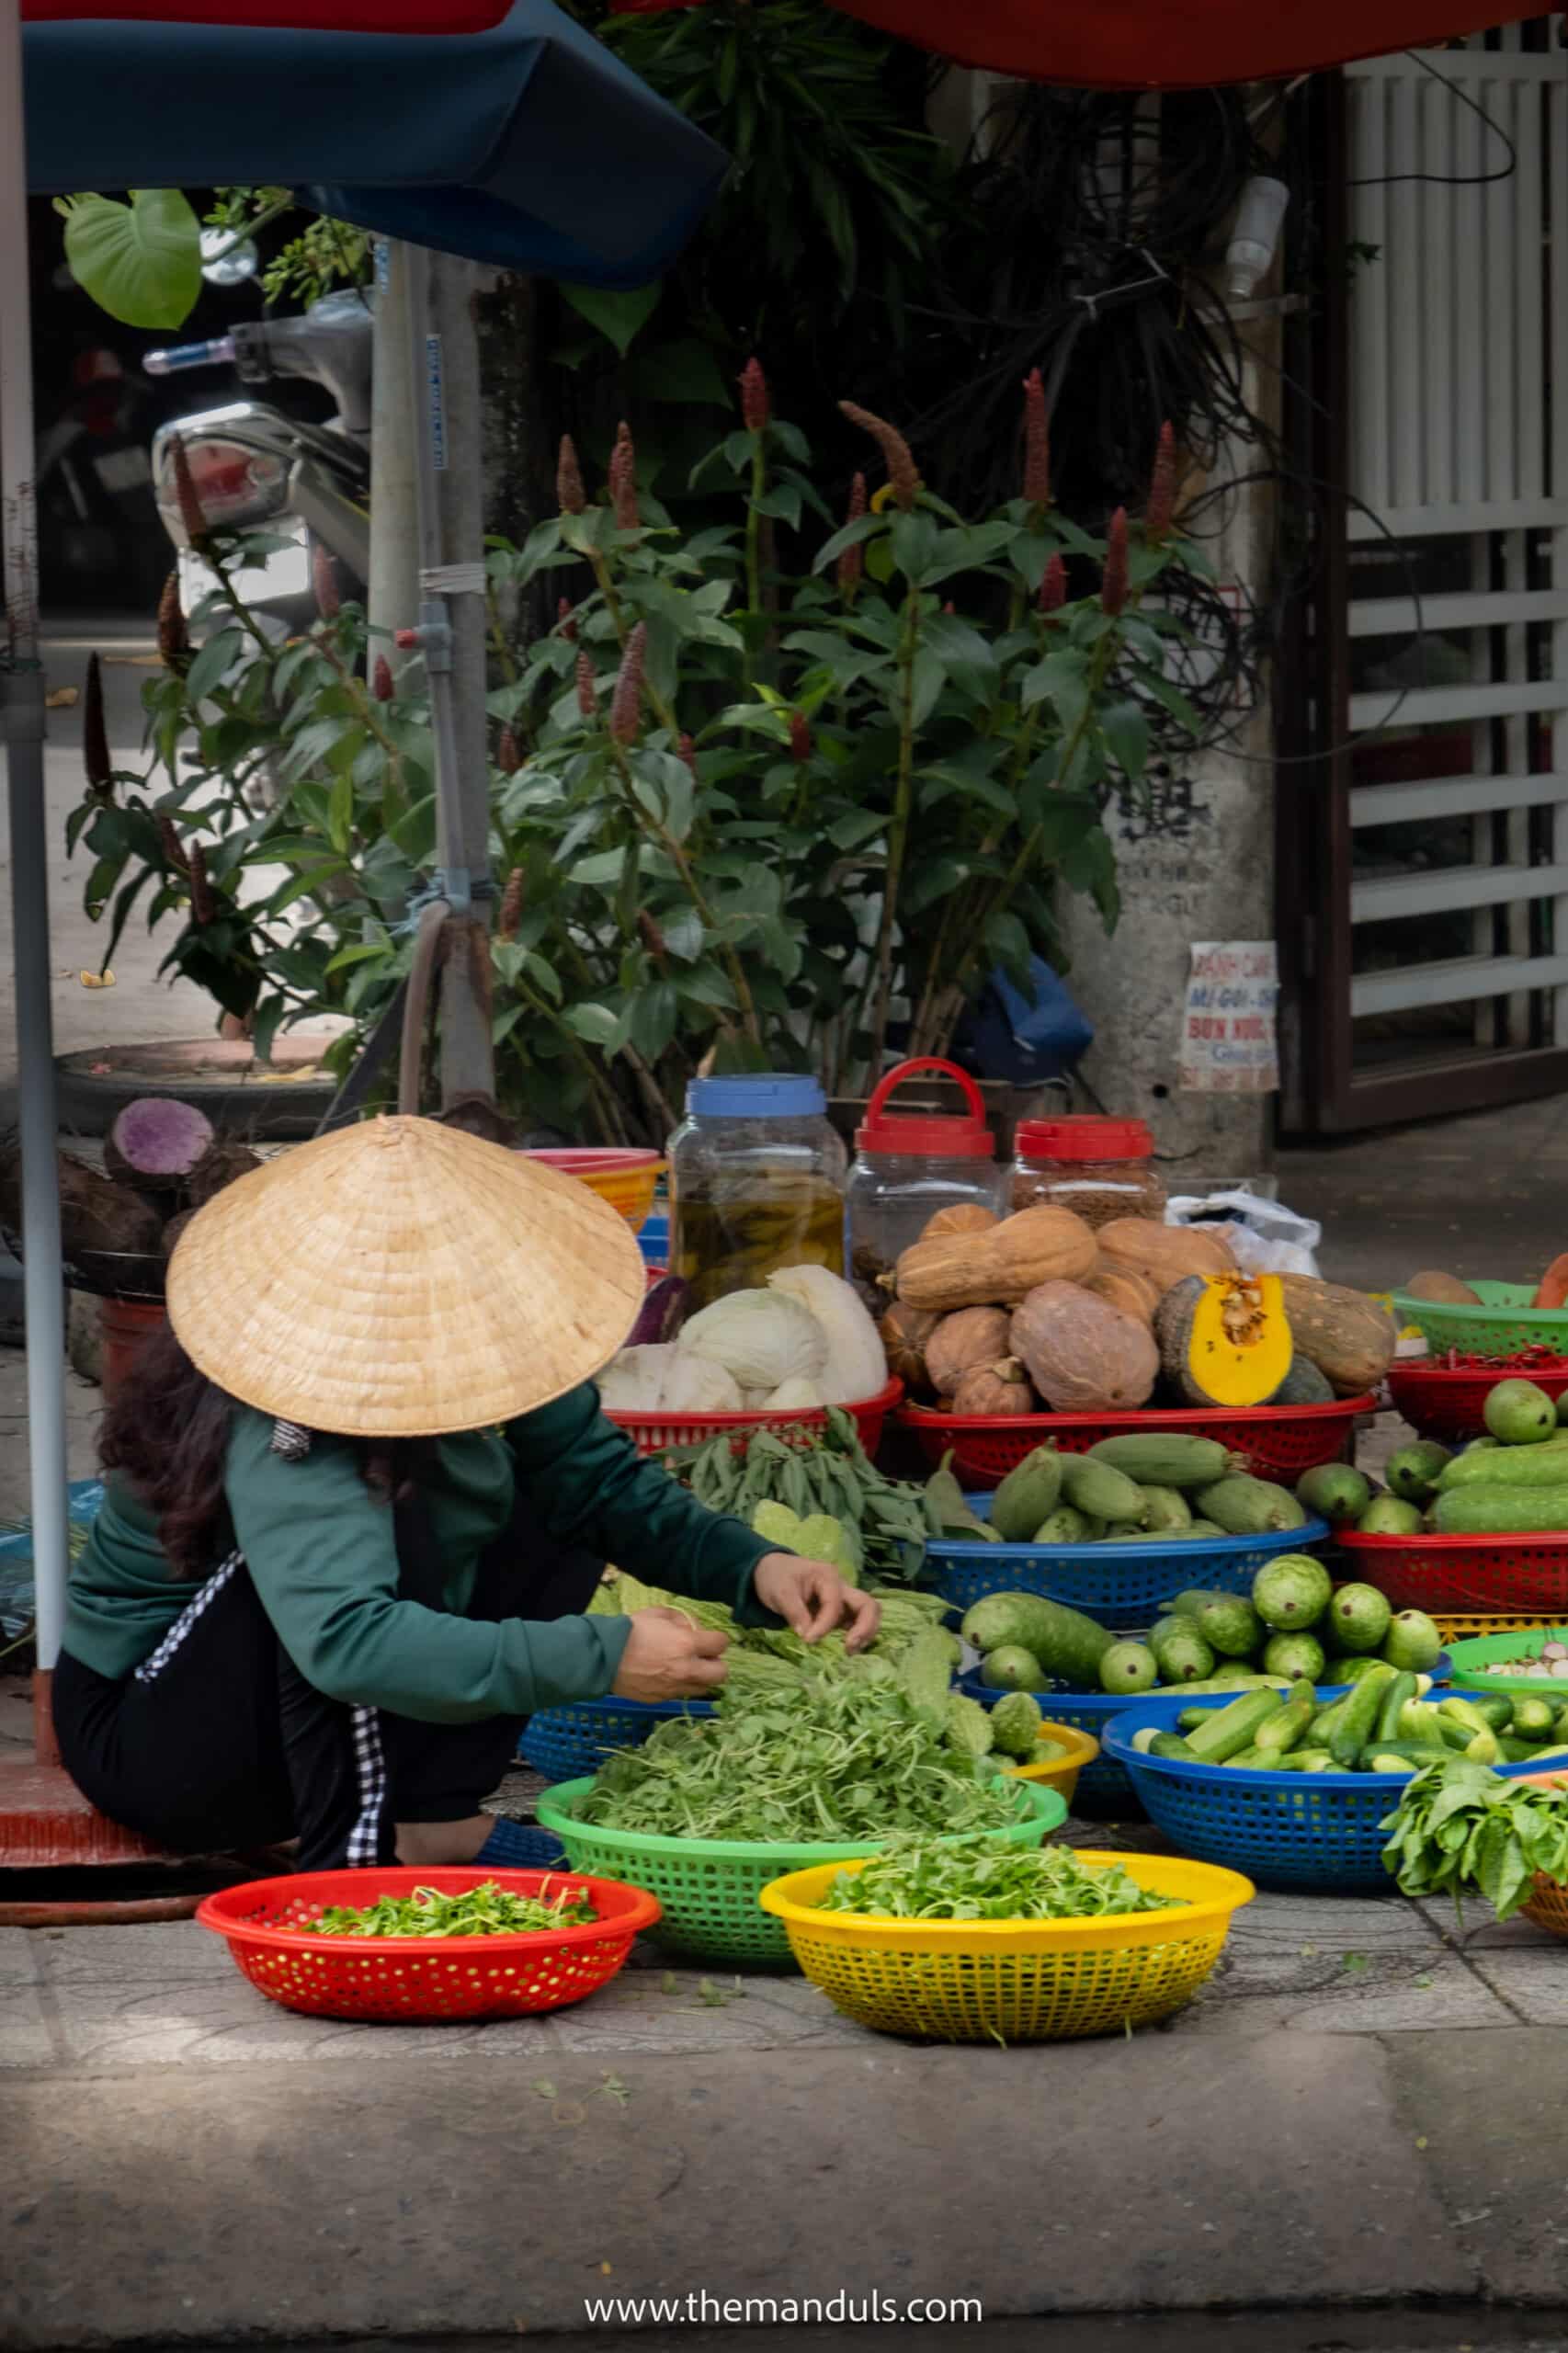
[(1196, 863)]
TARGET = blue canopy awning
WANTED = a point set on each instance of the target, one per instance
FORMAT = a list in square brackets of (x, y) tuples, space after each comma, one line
[(528, 147)]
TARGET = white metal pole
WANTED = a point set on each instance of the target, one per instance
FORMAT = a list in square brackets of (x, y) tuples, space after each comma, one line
[(394, 584), (22, 692)]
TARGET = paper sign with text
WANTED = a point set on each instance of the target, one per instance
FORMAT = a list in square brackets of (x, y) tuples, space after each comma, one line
[(1228, 1043)]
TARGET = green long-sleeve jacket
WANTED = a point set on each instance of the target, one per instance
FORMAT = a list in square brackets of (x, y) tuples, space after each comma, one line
[(321, 1551)]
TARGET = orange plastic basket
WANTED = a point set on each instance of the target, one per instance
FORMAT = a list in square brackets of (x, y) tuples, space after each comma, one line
[(626, 1180), (421, 1978)]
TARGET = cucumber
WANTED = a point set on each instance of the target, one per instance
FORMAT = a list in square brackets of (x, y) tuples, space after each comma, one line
[(1493, 1708), (1012, 1668), (1211, 1528), (1128, 1668), (1234, 1679), (1389, 1516), (1230, 1730), (1519, 1752), (1101, 1491), (1068, 1645), (1510, 1466), (1066, 1526), (1288, 1725), (1298, 1655), (1244, 1507), (1162, 1460), (1250, 1760), (1165, 1512), (1184, 1656), (1413, 1754), (1168, 1743), (1333, 1491), (1028, 1495), (1306, 1760), (1413, 1473), (1397, 1696), (1356, 1723), (1500, 1511), (1533, 1719)]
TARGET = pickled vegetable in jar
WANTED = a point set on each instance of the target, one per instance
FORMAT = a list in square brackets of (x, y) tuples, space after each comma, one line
[(1099, 1168), (757, 1182)]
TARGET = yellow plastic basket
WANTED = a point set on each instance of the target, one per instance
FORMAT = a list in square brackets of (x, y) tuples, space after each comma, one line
[(1059, 1773), (1464, 1627), (1015, 1981)]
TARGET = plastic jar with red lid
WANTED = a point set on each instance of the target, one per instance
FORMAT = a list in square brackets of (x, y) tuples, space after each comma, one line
[(1100, 1168), (908, 1165)]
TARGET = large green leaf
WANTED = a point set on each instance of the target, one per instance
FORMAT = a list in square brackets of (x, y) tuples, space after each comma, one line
[(139, 261), (619, 317)]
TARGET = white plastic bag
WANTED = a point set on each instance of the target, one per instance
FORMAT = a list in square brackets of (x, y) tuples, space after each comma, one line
[(1265, 1237)]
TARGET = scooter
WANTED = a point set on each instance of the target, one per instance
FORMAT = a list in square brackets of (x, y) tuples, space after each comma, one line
[(255, 467), (97, 524)]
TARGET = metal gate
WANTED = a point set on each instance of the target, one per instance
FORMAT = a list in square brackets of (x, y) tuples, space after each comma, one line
[(1431, 970)]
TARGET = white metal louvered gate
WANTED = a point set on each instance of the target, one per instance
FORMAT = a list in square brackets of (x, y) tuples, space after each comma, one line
[(1458, 349)]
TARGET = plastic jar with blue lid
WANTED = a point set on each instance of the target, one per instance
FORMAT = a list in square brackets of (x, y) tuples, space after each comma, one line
[(757, 1175)]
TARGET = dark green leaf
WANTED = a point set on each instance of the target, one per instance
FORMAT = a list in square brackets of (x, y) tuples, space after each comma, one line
[(619, 317), (214, 660), (1126, 732)]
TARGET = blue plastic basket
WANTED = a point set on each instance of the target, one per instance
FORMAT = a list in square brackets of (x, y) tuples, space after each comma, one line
[(1308, 1833), (564, 1743), (1119, 1585), (1104, 1788)]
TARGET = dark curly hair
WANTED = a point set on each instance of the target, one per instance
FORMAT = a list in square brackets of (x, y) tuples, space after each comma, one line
[(165, 1435)]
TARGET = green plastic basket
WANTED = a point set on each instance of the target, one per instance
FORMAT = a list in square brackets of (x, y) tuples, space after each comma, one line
[(1472, 1663), (709, 1887), (1504, 1324)]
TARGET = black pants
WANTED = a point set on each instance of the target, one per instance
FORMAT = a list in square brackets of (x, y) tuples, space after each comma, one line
[(218, 1743)]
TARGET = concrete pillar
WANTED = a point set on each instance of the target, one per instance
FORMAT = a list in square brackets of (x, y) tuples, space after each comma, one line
[(1196, 864)]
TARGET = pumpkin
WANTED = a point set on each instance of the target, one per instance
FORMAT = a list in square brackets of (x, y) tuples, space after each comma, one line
[(1552, 1291), (963, 1217), (1163, 1252), (969, 1337), (1348, 1336), (1447, 1290), (904, 1332), (1084, 1355), (1223, 1339), (995, 1391), (1304, 1385), (1135, 1294), (1000, 1267)]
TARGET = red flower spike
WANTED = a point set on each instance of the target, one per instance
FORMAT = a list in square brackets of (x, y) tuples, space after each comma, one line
[(565, 620), (203, 905), (1037, 441), (1162, 490), (381, 680), (756, 407), (95, 757), (623, 480), (588, 695), (625, 703), (687, 750), (174, 640), (508, 758), (1113, 585), (852, 563), (191, 512), (570, 496), (1052, 593), (174, 848), (894, 448), (323, 582), (799, 738), (653, 938), (511, 914)]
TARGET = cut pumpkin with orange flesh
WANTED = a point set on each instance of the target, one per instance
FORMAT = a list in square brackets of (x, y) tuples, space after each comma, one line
[(1553, 1291), (1226, 1339)]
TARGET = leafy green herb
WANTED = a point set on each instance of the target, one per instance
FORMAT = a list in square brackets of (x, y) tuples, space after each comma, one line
[(826, 1470), (976, 1880), (840, 1759), (485, 1911), (1461, 1826)]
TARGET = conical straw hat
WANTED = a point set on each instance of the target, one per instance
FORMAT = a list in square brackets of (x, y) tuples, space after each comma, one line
[(400, 1279)]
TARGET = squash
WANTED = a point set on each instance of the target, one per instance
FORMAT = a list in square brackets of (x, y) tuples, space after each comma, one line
[(999, 1267), (961, 1342), (994, 1390), (904, 1332), (1164, 1254), (1223, 1339), (1348, 1336), (1135, 1294), (1447, 1290), (1553, 1287), (962, 1217), (1084, 1355), (1304, 1385)]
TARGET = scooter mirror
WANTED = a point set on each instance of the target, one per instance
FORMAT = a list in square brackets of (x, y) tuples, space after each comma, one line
[(225, 264)]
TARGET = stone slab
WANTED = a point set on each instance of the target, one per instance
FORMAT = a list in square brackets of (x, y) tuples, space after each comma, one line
[(1488, 2113)]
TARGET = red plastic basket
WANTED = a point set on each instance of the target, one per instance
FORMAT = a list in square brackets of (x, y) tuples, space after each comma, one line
[(1440, 1402), (422, 1977), (656, 1433), (1444, 1575), (1278, 1441)]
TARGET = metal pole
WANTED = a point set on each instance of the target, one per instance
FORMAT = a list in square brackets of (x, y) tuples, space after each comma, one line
[(22, 689), (453, 619), (394, 584)]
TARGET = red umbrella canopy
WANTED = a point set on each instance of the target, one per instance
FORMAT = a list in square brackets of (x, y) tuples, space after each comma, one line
[(1165, 45)]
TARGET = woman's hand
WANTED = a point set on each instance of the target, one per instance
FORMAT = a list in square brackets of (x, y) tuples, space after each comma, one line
[(669, 1657), (812, 1599)]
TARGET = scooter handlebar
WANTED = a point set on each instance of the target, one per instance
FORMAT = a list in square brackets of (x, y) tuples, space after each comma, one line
[(219, 352)]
